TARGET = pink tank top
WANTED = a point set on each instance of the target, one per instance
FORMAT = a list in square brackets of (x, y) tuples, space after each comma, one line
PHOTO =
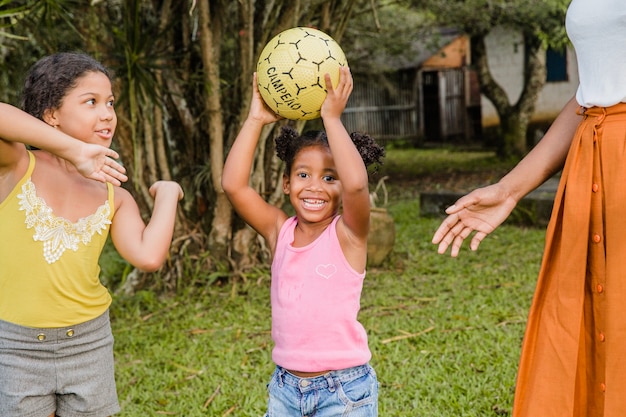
[(315, 303)]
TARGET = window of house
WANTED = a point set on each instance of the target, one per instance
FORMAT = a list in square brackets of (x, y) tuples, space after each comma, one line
[(556, 65)]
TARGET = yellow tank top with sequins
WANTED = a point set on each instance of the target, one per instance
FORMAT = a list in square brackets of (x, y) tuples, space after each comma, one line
[(49, 271)]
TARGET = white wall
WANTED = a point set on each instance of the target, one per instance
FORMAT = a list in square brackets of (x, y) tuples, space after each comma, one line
[(505, 54)]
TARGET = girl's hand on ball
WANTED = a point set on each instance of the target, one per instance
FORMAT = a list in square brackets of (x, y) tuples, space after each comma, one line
[(337, 98), (258, 109)]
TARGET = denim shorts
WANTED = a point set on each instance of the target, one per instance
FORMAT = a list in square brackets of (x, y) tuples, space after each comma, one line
[(65, 370), (348, 392)]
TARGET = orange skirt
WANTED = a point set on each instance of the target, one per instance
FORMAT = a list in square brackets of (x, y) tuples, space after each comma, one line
[(573, 361)]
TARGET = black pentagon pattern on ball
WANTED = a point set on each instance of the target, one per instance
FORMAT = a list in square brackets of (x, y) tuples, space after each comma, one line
[(291, 68)]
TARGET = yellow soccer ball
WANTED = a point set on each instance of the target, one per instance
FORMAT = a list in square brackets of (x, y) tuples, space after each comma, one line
[(291, 68)]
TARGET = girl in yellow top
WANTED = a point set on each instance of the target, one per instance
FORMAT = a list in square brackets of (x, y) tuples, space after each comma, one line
[(56, 346)]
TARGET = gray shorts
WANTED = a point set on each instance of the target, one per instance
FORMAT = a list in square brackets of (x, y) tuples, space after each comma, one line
[(65, 370)]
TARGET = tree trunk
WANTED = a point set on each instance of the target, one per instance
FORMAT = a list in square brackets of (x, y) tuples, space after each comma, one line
[(222, 213), (513, 130), (514, 118)]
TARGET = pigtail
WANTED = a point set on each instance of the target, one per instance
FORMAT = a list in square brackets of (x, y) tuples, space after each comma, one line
[(370, 151), (284, 143)]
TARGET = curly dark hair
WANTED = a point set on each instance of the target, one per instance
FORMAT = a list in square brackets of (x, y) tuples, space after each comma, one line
[(49, 79), (289, 143)]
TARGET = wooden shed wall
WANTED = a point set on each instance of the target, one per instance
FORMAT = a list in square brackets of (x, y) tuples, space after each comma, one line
[(385, 106)]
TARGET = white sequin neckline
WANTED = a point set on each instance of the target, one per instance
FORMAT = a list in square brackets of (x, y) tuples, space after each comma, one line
[(57, 233)]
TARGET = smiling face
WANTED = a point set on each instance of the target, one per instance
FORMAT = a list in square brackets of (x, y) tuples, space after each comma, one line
[(86, 111), (312, 185)]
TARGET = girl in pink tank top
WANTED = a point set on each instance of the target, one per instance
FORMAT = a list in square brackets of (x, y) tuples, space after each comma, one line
[(319, 257)]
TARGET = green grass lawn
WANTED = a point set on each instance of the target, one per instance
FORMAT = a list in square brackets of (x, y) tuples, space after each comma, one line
[(445, 333)]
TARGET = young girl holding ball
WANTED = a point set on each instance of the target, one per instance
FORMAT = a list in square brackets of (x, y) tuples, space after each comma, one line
[(319, 258)]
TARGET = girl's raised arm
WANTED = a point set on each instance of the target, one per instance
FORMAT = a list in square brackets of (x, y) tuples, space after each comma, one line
[(92, 161), (350, 166), (253, 209), (146, 246)]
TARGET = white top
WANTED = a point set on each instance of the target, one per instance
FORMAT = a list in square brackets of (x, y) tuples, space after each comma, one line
[(597, 30)]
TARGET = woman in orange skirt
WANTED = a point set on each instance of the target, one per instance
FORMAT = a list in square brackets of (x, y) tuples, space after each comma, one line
[(573, 361)]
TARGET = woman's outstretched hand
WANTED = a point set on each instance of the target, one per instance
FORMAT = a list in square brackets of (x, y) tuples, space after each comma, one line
[(480, 211)]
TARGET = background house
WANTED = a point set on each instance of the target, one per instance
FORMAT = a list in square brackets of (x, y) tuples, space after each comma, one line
[(423, 96), (506, 58)]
